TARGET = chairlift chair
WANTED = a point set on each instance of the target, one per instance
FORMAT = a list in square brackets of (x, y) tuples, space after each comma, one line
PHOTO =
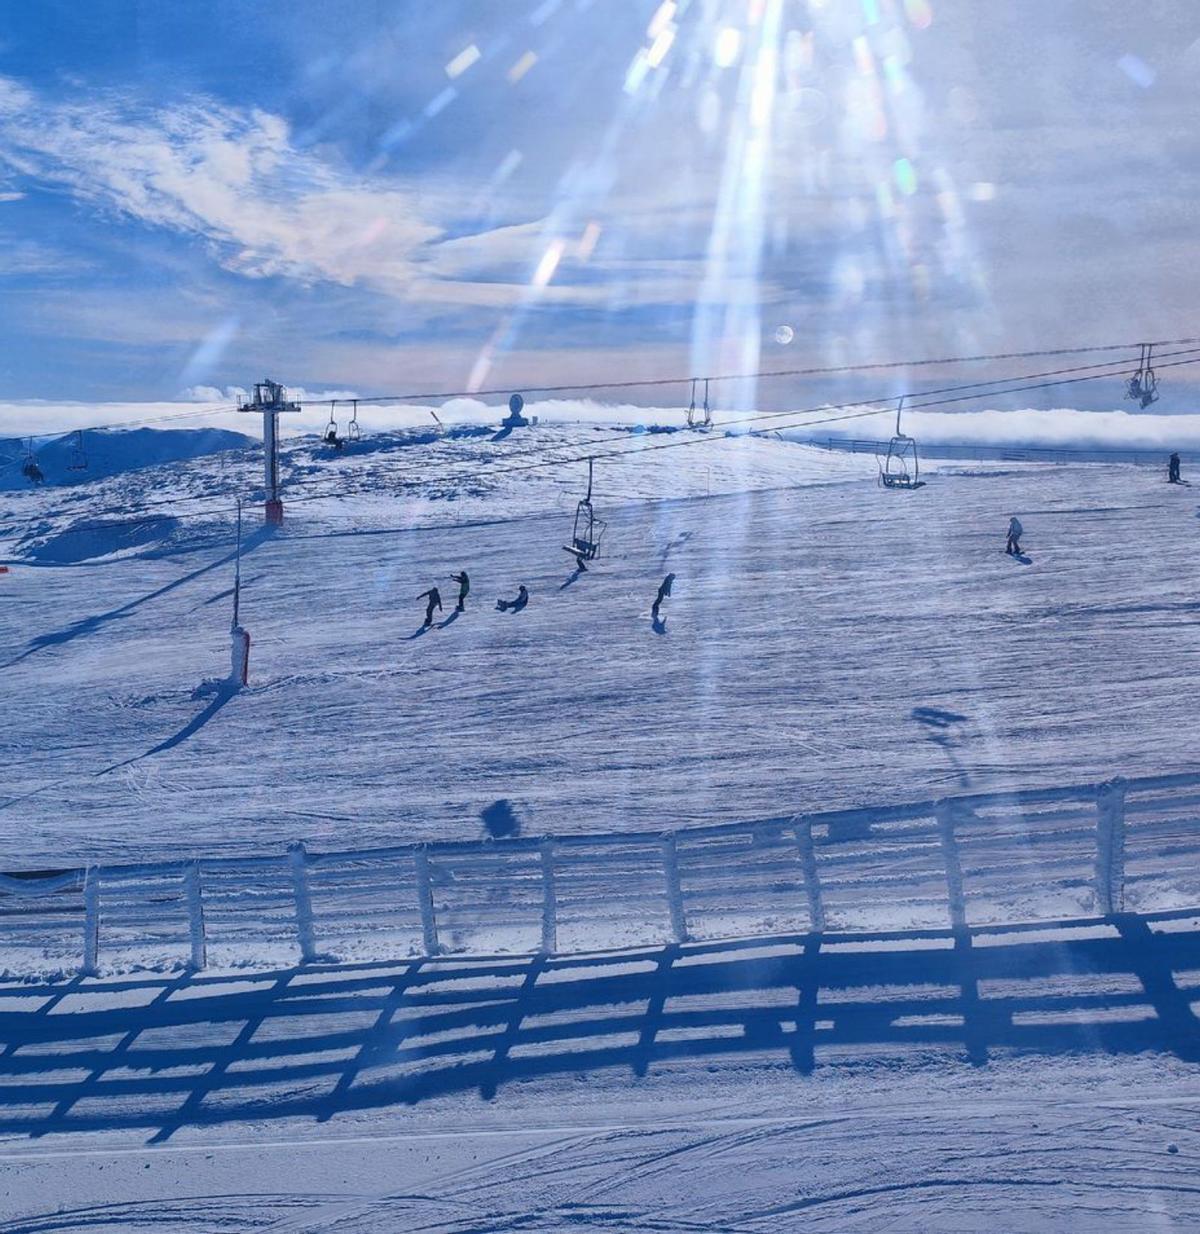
[(353, 433), (78, 454), (587, 530), (702, 419), (1142, 387), (330, 436), (29, 466), (901, 466)]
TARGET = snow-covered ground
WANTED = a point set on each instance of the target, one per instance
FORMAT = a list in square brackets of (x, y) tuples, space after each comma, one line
[(814, 617), (1048, 1084), (827, 644)]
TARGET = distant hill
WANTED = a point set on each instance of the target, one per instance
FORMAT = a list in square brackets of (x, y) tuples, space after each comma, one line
[(110, 452)]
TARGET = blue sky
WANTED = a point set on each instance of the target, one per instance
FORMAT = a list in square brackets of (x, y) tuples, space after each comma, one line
[(420, 195)]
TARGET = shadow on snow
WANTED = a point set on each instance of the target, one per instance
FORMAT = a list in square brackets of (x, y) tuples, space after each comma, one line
[(314, 1041)]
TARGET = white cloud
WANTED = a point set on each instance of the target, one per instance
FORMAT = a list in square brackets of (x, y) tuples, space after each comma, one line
[(228, 176), (233, 179)]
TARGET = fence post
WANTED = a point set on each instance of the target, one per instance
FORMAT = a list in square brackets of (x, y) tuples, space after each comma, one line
[(549, 898), (670, 861), (812, 880), (944, 812), (298, 860), (91, 921), (1110, 847), (195, 905), (425, 899)]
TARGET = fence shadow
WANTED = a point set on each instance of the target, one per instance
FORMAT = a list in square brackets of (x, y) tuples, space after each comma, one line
[(162, 1053)]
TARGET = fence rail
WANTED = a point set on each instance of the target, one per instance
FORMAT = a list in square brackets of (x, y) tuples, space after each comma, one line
[(958, 862)]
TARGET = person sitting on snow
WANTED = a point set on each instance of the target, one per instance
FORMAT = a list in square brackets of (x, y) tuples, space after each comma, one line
[(514, 606), (1015, 530)]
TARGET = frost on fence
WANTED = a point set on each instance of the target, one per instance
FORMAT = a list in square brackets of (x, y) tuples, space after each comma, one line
[(963, 862), (1110, 847), (41, 922), (1161, 847)]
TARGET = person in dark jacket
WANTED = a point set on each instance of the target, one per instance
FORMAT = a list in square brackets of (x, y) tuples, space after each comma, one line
[(435, 601), (1173, 476), (664, 593), (464, 590), (515, 605)]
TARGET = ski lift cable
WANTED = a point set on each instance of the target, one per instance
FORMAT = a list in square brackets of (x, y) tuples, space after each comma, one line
[(884, 406), (830, 370), (961, 393), (881, 407), (760, 374), (983, 389), (984, 386), (709, 422), (550, 455)]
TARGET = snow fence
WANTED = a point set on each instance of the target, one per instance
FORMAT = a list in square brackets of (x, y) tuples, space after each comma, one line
[(989, 859)]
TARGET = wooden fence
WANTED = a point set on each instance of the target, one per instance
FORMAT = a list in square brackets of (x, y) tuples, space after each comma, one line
[(967, 861)]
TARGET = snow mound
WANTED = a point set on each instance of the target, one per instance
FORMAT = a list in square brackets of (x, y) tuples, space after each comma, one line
[(99, 538)]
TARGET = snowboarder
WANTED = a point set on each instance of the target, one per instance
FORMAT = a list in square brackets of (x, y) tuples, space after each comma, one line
[(435, 601), (1015, 530), (464, 590), (516, 605), (1173, 469), (664, 593)]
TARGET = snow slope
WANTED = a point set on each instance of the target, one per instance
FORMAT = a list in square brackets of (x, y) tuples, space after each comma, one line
[(827, 644), (813, 632)]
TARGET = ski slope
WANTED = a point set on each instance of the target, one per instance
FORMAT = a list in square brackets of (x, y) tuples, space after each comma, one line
[(827, 645)]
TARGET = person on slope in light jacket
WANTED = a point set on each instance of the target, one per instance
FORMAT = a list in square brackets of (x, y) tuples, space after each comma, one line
[(1013, 545)]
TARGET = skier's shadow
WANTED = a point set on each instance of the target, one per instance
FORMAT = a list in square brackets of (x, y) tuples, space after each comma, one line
[(422, 629), (658, 625), (571, 578), (449, 620), (1023, 559)]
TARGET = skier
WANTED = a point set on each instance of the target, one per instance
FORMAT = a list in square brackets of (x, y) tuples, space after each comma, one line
[(516, 605), (464, 590), (332, 439), (435, 601), (1015, 530), (664, 593), (1173, 469)]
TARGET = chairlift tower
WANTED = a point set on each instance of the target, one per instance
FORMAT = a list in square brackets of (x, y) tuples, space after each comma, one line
[(271, 399)]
